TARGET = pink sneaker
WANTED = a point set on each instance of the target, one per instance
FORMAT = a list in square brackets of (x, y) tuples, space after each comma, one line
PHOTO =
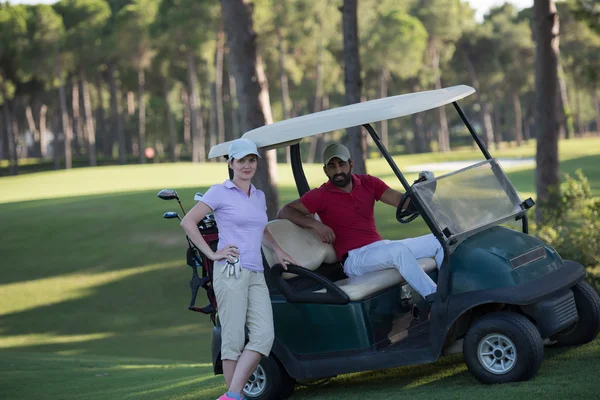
[(225, 397)]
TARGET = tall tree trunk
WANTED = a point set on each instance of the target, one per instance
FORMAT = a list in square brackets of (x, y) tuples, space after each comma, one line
[(43, 131), (384, 78), (253, 90), (173, 154), (116, 123), (78, 141), (318, 102), (187, 120), (213, 135), (101, 133), (219, 54), (353, 83), (597, 107), (443, 133), (13, 160), (518, 118), (283, 83), (56, 146), (235, 115), (547, 176), (141, 115), (197, 124), (565, 108), (580, 128), (485, 111), (66, 127), (33, 129), (487, 123), (498, 127), (2, 137), (131, 143), (89, 120)]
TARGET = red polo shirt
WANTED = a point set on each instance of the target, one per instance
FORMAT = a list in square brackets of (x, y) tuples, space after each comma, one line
[(350, 215)]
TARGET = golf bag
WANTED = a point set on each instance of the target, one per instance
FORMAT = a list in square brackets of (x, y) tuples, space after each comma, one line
[(196, 259)]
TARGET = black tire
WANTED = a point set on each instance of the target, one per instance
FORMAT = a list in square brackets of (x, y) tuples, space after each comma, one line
[(269, 381), (512, 336), (587, 327)]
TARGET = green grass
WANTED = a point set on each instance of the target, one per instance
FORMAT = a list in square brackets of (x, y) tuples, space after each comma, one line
[(94, 291)]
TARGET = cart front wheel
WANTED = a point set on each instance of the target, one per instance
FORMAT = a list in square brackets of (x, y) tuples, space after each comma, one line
[(503, 347), (587, 327)]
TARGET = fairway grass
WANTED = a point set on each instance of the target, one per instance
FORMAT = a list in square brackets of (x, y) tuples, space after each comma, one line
[(94, 289)]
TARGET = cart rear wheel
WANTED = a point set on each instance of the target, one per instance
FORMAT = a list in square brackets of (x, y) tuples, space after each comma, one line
[(503, 347), (587, 327), (269, 381)]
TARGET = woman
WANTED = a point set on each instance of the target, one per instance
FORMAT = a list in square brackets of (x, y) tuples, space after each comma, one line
[(238, 279)]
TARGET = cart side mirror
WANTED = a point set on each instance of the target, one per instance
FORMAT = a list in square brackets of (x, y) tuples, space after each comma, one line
[(527, 204)]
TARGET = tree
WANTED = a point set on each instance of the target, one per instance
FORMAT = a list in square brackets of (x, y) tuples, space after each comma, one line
[(516, 58), (252, 89), (395, 45), (133, 28), (547, 176), (353, 82), (443, 21), (84, 21), (13, 44), (587, 11)]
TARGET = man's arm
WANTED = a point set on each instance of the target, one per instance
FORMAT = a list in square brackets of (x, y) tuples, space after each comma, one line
[(300, 215), (392, 197)]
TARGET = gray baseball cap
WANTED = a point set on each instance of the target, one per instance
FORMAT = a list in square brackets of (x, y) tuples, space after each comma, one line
[(240, 148), (336, 150)]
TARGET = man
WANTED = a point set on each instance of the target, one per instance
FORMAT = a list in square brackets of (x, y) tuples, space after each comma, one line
[(345, 205)]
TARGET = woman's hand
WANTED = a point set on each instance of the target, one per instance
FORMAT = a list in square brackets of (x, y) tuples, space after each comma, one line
[(284, 258), (231, 251)]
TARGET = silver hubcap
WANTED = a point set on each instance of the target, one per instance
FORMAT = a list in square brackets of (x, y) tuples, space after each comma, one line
[(256, 383), (497, 354)]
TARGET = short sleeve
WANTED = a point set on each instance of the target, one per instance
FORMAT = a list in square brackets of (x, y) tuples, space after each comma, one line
[(378, 186), (312, 201), (213, 197)]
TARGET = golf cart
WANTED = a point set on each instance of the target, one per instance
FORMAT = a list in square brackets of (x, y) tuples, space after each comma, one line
[(500, 292)]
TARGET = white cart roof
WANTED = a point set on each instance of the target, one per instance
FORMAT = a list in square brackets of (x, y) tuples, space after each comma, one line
[(292, 130)]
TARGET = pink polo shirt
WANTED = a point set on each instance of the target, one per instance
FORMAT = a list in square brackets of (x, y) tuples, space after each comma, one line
[(241, 220)]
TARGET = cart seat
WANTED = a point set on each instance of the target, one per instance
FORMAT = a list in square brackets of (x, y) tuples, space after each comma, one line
[(308, 250), (363, 286), (300, 243)]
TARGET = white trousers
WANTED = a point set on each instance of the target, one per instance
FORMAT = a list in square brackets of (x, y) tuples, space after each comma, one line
[(400, 254)]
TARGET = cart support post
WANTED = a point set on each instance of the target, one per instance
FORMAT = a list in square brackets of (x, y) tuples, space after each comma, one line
[(481, 145)]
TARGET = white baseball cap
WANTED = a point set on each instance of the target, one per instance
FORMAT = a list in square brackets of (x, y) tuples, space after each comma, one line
[(240, 148), (336, 150)]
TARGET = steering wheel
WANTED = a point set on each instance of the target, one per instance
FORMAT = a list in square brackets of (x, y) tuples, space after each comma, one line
[(404, 216)]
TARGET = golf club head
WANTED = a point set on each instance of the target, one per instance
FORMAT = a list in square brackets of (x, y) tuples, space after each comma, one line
[(168, 194), (171, 215), (198, 196)]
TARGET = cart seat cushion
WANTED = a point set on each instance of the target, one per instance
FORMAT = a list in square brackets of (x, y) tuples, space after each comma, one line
[(301, 244), (363, 286)]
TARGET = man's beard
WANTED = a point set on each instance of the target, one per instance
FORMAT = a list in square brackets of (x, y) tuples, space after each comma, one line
[(341, 182)]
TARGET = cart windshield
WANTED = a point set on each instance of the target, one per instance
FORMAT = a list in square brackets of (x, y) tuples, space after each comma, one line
[(470, 200)]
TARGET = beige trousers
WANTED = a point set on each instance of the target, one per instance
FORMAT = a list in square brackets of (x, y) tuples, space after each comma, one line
[(242, 302)]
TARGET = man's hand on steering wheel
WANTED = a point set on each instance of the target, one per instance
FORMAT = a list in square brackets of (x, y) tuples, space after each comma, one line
[(408, 214)]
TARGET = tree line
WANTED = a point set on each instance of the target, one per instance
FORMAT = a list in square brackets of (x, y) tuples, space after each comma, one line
[(135, 80)]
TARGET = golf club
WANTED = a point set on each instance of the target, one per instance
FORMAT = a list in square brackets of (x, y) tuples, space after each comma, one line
[(171, 215), (170, 194)]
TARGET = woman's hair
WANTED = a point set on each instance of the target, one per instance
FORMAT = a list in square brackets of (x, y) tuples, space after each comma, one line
[(229, 169)]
